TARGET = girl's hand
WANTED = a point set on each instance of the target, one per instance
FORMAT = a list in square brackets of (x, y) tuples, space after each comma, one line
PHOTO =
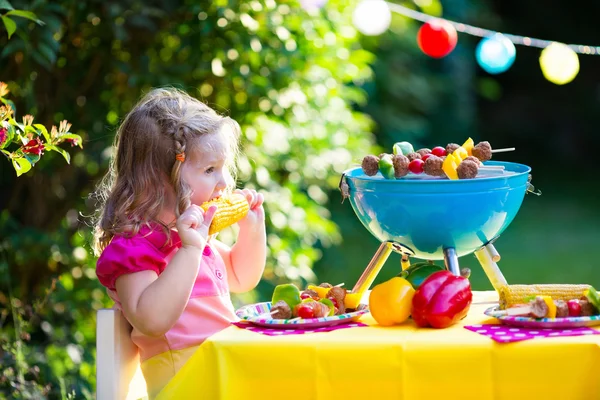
[(256, 214), (193, 225)]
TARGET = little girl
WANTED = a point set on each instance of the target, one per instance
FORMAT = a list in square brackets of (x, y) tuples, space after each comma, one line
[(169, 278)]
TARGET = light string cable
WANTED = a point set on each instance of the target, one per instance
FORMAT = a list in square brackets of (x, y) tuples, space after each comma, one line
[(481, 32)]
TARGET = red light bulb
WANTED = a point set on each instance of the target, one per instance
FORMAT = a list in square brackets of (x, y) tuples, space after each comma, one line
[(437, 38)]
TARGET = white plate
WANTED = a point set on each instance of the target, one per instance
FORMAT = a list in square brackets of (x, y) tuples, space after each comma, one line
[(528, 322), (258, 314)]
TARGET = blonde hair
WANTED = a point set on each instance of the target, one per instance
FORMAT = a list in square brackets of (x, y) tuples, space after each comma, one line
[(164, 123)]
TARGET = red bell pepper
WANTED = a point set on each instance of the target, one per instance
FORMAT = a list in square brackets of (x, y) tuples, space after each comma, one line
[(442, 300)]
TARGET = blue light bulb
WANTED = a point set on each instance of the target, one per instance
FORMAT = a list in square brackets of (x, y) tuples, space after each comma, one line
[(495, 54)]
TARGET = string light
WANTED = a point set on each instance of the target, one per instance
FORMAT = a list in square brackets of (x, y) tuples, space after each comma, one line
[(372, 17), (481, 32), (495, 53)]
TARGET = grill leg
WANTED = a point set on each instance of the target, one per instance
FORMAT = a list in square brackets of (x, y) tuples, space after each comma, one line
[(451, 261), (375, 265)]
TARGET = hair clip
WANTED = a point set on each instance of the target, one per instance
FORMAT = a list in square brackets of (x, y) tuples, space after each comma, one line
[(180, 157)]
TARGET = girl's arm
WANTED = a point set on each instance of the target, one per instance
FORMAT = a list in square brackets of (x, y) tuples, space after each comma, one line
[(153, 303), (245, 261)]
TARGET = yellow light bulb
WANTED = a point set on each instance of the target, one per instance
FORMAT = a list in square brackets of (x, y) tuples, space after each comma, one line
[(559, 63)]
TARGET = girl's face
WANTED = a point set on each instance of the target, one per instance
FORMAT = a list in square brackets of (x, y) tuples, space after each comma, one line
[(204, 171)]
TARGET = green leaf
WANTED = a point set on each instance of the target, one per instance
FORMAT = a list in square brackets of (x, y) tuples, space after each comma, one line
[(47, 52), (21, 165), (71, 136), (12, 47), (31, 129), (32, 158), (41, 60), (25, 14), (64, 153), (10, 25), (7, 153), (5, 5), (44, 131)]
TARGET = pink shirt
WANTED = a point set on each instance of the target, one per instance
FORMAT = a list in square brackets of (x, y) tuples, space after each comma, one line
[(209, 309)]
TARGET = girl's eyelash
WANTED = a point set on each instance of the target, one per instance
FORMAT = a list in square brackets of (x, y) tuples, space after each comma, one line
[(209, 169)]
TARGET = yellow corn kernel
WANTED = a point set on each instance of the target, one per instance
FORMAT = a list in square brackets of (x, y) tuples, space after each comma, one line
[(230, 209), (520, 294)]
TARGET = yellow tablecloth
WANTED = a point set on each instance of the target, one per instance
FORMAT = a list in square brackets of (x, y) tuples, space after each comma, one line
[(401, 362)]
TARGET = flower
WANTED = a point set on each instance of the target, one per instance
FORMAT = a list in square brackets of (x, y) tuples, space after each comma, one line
[(5, 112), (34, 146), (4, 89), (73, 142), (64, 126), (27, 120), (3, 135)]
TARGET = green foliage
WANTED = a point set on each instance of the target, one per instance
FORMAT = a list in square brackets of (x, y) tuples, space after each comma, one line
[(9, 12), (288, 77)]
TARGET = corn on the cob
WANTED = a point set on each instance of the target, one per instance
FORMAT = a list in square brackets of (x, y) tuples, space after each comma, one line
[(230, 209), (520, 294)]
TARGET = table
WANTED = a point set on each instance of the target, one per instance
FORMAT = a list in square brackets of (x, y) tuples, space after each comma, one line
[(401, 362)]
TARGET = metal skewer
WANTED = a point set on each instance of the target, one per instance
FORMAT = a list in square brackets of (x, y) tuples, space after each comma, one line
[(503, 150)]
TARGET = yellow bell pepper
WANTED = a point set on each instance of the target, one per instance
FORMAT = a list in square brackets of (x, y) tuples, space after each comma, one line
[(352, 300), (468, 146), (390, 302), (321, 291), (449, 167), (551, 306), (460, 153)]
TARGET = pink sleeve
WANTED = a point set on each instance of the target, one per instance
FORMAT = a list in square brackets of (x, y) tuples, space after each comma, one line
[(125, 256)]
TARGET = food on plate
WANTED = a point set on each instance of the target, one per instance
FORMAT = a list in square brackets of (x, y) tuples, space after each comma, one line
[(390, 301), (442, 300), (573, 302), (509, 295), (288, 293), (289, 302), (281, 310)]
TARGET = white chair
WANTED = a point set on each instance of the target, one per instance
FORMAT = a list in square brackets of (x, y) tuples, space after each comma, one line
[(118, 373)]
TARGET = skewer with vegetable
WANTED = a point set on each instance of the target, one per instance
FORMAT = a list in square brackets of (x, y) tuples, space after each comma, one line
[(454, 161), (544, 306)]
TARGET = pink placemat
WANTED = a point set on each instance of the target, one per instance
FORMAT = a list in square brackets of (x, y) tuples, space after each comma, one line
[(509, 334), (292, 331)]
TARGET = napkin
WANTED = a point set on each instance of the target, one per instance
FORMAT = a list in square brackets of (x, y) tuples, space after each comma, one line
[(294, 331), (509, 334)]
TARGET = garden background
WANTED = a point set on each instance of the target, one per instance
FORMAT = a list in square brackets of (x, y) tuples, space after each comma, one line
[(313, 96)]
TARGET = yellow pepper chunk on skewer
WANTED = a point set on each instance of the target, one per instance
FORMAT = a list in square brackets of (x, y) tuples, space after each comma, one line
[(460, 153), (551, 306), (468, 146), (449, 167)]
